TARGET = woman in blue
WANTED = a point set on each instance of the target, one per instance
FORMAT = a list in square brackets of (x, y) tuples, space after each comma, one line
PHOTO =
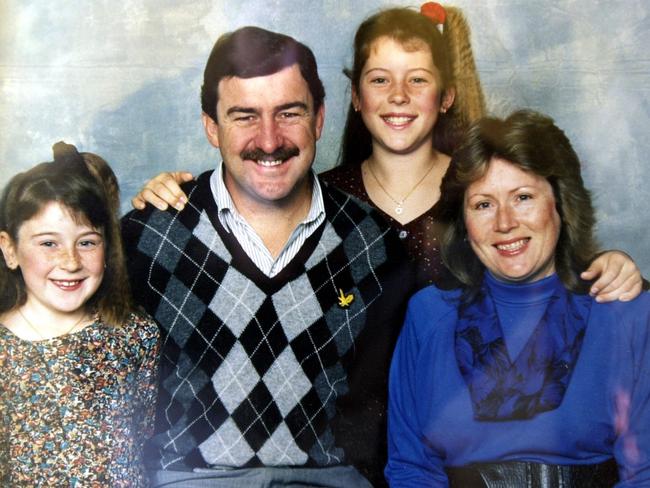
[(519, 377)]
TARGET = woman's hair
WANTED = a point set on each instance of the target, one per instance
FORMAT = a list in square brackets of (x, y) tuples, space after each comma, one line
[(452, 55), (86, 186), (533, 143)]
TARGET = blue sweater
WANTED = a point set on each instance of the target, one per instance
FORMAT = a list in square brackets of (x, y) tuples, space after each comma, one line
[(605, 412)]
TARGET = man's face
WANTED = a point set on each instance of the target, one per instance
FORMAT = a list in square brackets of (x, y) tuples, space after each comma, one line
[(267, 131)]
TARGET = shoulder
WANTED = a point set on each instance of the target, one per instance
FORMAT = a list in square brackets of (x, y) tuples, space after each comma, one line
[(633, 315), (345, 178), (141, 327), (341, 197), (431, 318), (435, 302), (136, 222), (357, 221), (336, 175)]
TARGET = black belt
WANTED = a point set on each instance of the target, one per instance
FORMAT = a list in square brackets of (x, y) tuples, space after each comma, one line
[(533, 475)]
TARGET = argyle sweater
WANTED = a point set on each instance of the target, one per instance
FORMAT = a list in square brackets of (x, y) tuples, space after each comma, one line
[(258, 371)]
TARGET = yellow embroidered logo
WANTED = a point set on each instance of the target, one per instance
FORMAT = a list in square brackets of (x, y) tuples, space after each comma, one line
[(345, 300)]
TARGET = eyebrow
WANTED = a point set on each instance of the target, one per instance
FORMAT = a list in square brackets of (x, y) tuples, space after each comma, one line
[(514, 190), (55, 233), (379, 68), (279, 108)]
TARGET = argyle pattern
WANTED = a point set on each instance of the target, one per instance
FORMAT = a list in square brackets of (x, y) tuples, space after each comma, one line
[(252, 367)]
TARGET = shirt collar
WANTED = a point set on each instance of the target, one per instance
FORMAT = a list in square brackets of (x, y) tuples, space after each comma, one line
[(227, 207)]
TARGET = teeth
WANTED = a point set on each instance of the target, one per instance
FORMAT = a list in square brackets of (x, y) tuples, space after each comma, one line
[(398, 120), (513, 246), (68, 283), (268, 164)]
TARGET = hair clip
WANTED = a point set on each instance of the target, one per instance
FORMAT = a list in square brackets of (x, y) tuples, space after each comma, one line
[(435, 12)]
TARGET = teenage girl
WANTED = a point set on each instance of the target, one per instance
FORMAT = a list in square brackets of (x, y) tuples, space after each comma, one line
[(415, 89), (77, 363)]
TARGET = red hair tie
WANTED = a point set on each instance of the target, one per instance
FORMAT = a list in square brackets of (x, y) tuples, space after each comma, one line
[(434, 11)]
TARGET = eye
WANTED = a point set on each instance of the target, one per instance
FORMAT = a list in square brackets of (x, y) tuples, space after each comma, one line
[(378, 80), (524, 197), (90, 243), (47, 244), (288, 115), (418, 80), (481, 205)]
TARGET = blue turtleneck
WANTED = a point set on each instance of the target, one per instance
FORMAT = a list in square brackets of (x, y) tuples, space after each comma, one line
[(431, 423)]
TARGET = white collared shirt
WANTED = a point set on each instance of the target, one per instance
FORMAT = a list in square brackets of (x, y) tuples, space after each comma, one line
[(250, 241)]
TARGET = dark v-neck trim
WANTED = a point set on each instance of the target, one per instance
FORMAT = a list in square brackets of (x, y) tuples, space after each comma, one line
[(242, 262)]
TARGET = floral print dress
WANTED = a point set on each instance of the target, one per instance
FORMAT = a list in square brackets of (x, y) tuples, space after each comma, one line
[(76, 409)]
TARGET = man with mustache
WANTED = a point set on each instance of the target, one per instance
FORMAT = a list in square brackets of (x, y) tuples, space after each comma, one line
[(279, 298)]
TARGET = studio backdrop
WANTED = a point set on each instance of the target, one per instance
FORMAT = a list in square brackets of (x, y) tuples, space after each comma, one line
[(122, 79)]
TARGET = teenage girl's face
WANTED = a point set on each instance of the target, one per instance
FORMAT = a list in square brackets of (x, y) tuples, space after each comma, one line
[(399, 95), (62, 261)]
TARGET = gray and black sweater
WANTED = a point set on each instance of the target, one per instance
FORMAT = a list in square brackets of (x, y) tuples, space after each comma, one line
[(258, 371)]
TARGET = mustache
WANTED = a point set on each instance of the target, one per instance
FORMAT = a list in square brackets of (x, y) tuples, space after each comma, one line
[(280, 154)]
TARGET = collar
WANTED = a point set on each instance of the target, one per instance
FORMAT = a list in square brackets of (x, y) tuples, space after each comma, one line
[(227, 210)]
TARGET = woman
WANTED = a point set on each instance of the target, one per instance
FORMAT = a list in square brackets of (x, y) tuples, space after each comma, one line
[(519, 373), (414, 91)]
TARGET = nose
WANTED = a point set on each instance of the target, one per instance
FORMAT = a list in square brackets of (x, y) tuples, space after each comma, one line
[(70, 260), (268, 137), (505, 219), (398, 93)]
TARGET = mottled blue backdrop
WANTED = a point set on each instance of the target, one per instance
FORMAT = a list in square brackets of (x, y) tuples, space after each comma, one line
[(122, 79)]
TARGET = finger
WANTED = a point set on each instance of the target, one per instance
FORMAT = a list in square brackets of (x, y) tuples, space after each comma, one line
[(183, 176), (607, 282), (602, 276), (151, 197), (138, 203), (622, 288), (168, 191), (167, 187)]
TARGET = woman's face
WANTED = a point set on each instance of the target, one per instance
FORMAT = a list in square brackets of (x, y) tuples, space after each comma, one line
[(399, 95), (512, 223)]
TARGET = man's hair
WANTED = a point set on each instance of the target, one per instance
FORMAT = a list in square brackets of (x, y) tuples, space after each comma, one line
[(250, 52), (533, 143), (86, 187)]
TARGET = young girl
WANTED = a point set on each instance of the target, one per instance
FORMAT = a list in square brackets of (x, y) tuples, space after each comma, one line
[(77, 364), (414, 91)]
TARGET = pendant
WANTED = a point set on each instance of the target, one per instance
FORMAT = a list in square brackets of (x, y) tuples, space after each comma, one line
[(399, 209)]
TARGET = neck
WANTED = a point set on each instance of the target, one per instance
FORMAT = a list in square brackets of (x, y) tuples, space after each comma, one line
[(404, 185), (31, 321), (275, 222), (402, 168)]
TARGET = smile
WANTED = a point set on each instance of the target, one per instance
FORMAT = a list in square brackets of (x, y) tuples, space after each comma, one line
[(67, 285), (512, 247), (398, 120), (269, 164)]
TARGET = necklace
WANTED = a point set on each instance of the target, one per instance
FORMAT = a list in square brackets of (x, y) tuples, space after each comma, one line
[(399, 208), (31, 326)]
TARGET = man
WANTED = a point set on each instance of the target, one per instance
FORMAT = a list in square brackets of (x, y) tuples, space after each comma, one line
[(280, 299)]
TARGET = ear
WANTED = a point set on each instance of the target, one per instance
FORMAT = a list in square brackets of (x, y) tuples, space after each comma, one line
[(319, 121), (211, 129), (8, 250), (447, 99), (356, 101)]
